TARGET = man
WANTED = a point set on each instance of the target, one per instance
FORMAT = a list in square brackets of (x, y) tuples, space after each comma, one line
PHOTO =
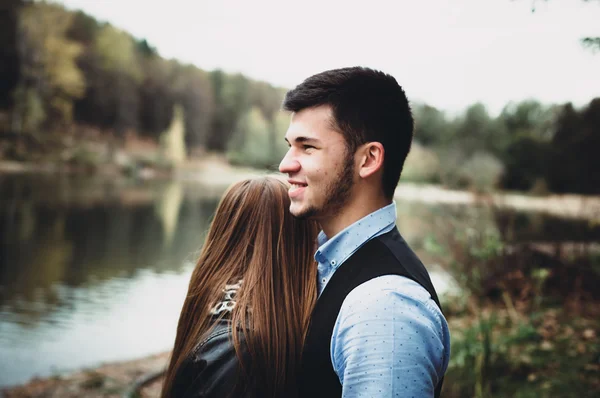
[(377, 329)]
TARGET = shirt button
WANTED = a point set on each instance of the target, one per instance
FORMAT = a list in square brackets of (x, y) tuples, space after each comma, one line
[(333, 262), (323, 280)]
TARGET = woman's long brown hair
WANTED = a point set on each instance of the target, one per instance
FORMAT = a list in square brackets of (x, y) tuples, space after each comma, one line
[(254, 237)]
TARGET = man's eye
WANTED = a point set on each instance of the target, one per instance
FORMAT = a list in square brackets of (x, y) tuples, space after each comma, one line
[(308, 147)]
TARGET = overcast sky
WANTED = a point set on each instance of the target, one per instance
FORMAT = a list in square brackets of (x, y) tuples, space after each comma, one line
[(449, 54)]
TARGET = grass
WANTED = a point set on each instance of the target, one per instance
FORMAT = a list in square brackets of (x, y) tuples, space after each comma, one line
[(548, 353), (527, 323)]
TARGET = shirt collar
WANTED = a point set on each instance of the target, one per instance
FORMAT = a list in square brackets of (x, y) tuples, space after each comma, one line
[(333, 252)]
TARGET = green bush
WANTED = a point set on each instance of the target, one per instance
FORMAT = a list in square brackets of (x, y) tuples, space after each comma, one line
[(422, 165), (255, 142), (480, 171)]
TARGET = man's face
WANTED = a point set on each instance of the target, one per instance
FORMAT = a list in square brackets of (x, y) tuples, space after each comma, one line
[(319, 168)]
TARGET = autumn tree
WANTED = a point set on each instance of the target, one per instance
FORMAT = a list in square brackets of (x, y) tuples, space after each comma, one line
[(231, 95), (116, 54), (50, 80), (194, 92), (156, 94)]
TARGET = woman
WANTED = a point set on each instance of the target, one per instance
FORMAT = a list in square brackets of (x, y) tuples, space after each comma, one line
[(255, 272)]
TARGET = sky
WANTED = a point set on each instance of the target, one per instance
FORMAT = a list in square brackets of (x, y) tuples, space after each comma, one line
[(449, 54)]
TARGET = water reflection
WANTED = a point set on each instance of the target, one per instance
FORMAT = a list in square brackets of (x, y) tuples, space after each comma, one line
[(116, 319), (94, 271)]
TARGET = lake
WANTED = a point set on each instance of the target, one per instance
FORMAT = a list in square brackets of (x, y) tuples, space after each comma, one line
[(94, 271)]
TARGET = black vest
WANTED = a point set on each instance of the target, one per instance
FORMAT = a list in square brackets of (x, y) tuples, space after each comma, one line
[(387, 254)]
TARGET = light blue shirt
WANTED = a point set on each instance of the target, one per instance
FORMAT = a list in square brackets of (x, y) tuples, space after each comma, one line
[(390, 339)]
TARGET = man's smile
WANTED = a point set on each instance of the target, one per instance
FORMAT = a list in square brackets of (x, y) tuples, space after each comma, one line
[(296, 189)]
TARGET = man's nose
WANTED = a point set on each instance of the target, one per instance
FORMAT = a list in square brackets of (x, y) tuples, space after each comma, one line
[(289, 164)]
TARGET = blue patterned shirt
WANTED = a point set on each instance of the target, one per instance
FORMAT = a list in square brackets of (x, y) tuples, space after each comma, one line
[(390, 339)]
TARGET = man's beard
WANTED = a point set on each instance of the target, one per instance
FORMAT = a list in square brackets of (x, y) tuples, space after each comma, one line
[(338, 193)]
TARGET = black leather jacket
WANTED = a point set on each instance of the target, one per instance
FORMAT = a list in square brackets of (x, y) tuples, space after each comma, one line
[(212, 370)]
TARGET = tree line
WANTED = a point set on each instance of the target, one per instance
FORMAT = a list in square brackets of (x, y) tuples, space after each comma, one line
[(529, 146), (61, 69), (63, 72)]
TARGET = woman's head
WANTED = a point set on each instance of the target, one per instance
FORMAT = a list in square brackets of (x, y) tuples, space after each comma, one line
[(253, 237), (252, 222)]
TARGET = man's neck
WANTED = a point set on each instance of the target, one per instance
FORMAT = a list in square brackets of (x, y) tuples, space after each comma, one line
[(350, 214)]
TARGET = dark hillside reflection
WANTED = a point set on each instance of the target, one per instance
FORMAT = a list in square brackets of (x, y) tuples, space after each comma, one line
[(43, 246)]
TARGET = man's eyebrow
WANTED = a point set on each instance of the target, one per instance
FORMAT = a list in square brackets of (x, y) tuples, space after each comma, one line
[(302, 140)]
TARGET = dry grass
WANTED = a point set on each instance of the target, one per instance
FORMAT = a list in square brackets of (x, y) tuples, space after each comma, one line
[(109, 380)]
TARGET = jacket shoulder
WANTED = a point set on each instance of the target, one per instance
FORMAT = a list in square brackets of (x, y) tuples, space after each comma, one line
[(212, 370)]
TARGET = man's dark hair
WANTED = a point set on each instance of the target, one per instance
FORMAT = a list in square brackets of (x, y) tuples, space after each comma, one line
[(367, 105)]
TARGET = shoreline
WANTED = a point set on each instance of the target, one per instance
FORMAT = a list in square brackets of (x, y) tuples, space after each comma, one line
[(110, 379), (571, 206), (215, 174)]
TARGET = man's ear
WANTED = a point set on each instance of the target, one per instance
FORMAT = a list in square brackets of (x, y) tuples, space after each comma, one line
[(371, 159)]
